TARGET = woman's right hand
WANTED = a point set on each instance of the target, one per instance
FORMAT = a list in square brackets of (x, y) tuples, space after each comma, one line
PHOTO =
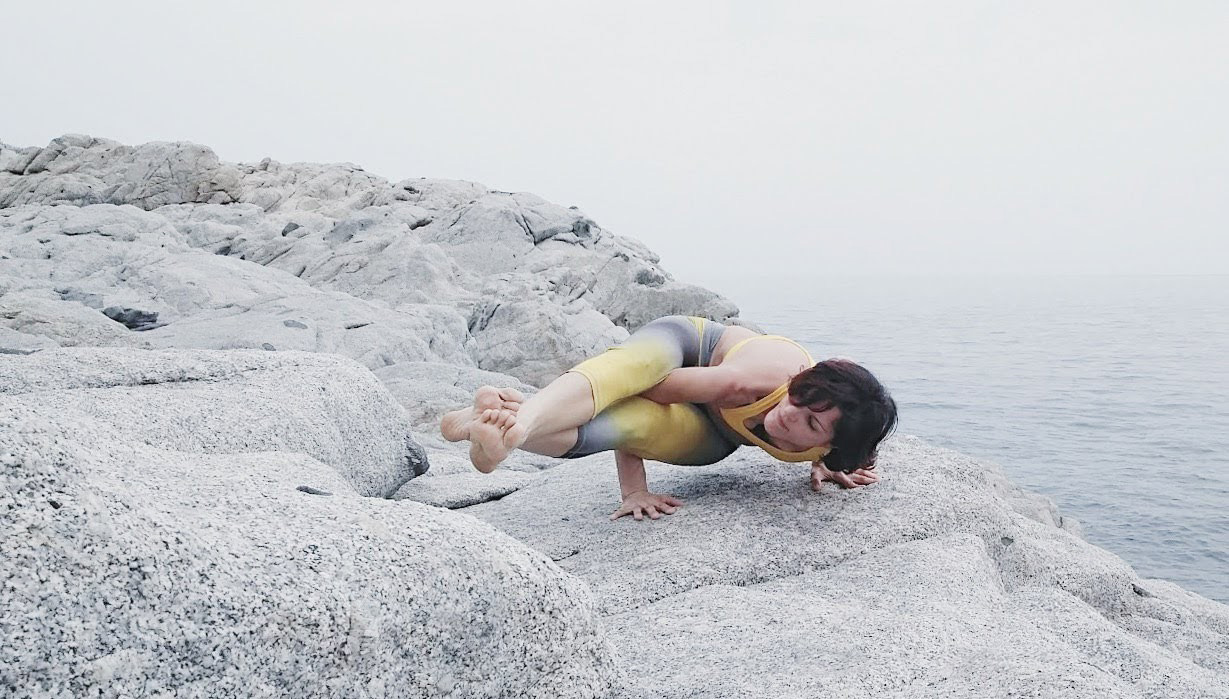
[(853, 479), (643, 502)]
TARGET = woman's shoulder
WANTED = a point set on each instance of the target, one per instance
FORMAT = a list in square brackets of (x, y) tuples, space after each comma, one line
[(767, 361), (747, 347)]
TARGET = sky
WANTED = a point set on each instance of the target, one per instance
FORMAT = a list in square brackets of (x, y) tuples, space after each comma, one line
[(745, 139)]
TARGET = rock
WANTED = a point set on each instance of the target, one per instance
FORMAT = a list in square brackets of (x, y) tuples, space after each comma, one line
[(138, 570), (94, 275), (518, 330), (932, 579), (41, 314), (80, 170), (13, 342), (419, 260), (230, 402), (463, 489)]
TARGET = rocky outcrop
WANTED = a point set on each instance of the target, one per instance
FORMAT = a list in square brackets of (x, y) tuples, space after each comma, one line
[(166, 246), (219, 391), (320, 405), (941, 580), (192, 524)]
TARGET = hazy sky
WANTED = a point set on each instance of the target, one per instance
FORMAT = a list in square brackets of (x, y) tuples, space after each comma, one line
[(732, 138)]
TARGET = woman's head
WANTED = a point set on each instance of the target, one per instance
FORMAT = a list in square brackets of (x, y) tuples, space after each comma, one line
[(850, 400)]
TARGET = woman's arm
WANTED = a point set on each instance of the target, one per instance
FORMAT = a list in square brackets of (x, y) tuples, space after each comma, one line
[(637, 500), (697, 384), (853, 479)]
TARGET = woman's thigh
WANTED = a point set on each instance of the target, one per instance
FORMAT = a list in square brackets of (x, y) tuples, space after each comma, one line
[(680, 433), (647, 356)]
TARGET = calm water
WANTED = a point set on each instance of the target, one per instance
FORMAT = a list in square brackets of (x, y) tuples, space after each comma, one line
[(1108, 394)]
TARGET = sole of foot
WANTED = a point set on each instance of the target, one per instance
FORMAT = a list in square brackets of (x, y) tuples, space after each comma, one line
[(454, 426), (486, 437)]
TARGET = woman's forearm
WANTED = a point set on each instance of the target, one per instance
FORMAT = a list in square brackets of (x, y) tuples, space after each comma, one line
[(631, 473), (694, 385)]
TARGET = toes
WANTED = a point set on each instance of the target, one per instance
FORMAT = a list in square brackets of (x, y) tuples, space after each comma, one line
[(511, 395), (487, 397), (515, 435)]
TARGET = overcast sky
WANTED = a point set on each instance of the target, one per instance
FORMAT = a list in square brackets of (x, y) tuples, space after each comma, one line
[(732, 138)]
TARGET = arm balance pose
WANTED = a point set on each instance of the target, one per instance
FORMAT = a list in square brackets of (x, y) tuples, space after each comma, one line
[(689, 391)]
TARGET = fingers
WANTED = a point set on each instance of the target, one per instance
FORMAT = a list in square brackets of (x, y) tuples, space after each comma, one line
[(653, 508), (842, 479), (855, 478)]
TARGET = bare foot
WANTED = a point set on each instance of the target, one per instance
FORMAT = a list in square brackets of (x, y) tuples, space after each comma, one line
[(455, 425), (515, 436), (486, 436)]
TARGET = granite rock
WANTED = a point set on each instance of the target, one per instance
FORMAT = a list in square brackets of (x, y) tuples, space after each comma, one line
[(322, 405), (939, 580), (141, 562), (439, 270), (195, 490)]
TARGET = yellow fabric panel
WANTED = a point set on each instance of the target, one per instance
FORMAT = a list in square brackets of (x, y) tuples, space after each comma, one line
[(677, 434), (630, 368)]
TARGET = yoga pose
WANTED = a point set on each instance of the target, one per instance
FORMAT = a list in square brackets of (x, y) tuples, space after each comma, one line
[(686, 390)]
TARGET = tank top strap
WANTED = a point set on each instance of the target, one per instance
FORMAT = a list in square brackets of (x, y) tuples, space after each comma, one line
[(736, 418)]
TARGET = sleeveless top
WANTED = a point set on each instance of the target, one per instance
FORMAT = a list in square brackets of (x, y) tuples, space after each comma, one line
[(735, 418)]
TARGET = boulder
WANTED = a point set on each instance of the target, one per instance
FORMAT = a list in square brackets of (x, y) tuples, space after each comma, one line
[(930, 582), (325, 406), (198, 556)]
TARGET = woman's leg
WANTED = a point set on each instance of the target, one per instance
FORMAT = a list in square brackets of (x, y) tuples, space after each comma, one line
[(561, 407), (576, 397), (680, 433)]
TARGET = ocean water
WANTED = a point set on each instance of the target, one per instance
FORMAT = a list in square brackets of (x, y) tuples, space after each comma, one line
[(1108, 394)]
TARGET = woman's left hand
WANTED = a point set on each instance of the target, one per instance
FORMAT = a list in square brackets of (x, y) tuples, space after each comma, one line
[(853, 479)]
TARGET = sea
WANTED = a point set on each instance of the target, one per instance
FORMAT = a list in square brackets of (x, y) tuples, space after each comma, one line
[(1109, 394)]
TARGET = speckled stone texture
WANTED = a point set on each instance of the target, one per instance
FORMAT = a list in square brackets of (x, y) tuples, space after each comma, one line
[(325, 406), (942, 580), (153, 567)]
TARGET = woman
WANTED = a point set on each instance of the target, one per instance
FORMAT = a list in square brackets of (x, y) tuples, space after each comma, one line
[(686, 390)]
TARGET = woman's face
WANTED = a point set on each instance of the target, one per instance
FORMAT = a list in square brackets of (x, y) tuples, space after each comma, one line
[(798, 428)]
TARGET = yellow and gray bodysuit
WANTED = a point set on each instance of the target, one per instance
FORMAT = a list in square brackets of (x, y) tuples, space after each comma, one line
[(681, 433)]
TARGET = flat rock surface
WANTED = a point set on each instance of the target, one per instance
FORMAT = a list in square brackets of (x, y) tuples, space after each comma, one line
[(928, 583)]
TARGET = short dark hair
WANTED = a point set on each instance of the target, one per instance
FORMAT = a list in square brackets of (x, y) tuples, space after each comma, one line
[(868, 413)]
